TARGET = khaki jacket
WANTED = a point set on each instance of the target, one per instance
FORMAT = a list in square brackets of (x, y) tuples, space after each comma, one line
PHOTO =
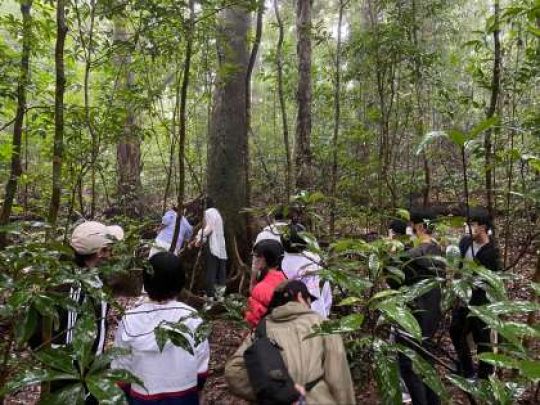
[(306, 359)]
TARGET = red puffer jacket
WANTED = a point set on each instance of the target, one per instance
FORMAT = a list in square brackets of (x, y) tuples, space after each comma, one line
[(261, 295)]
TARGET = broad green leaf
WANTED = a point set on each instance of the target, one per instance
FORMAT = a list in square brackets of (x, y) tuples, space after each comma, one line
[(84, 336), (409, 293), (475, 388), (386, 375), (346, 324), (498, 360), (32, 376), (103, 361), (462, 288), (512, 307), (72, 394), (530, 369), (350, 301), (26, 328), (401, 315), (105, 390), (500, 393), (202, 332), (483, 126), (59, 359), (384, 294), (426, 371)]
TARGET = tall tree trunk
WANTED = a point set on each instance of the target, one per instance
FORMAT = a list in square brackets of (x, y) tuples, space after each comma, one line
[(16, 164), (227, 145), (58, 152), (337, 111), (302, 147), (182, 124), (495, 89), (282, 105), (128, 148)]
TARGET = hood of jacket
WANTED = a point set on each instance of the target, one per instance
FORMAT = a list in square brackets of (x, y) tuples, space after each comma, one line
[(289, 311)]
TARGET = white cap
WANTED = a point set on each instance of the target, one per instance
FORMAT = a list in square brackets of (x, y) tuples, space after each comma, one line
[(90, 236)]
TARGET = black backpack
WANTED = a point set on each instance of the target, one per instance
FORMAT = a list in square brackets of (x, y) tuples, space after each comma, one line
[(267, 372)]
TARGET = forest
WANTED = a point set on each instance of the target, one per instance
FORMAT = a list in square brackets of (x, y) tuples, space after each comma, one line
[(344, 116)]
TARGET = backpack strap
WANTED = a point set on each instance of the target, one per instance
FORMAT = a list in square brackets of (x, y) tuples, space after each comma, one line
[(310, 385), (260, 329)]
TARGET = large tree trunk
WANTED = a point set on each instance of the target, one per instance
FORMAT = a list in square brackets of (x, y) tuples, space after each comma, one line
[(16, 166), (128, 148), (282, 105), (58, 151), (302, 149), (227, 144)]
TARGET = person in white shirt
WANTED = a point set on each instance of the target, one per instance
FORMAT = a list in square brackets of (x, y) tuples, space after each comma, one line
[(301, 264), (171, 374), (212, 236), (165, 236)]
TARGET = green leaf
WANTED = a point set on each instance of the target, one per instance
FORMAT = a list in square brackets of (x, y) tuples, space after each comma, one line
[(25, 329), (202, 332), (346, 324), (483, 126), (84, 336), (72, 394), (474, 388), (530, 369), (105, 390), (59, 359), (458, 138), (462, 288), (401, 315), (349, 301), (410, 293), (426, 371), (498, 360), (512, 307), (33, 376), (386, 375), (500, 393)]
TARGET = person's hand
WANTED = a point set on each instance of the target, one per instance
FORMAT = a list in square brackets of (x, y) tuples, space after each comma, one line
[(302, 391)]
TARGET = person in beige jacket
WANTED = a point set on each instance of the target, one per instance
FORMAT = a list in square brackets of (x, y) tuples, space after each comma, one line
[(289, 323)]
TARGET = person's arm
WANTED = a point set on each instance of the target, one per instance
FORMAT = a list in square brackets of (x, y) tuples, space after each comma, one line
[(123, 362), (256, 307), (337, 373), (236, 374)]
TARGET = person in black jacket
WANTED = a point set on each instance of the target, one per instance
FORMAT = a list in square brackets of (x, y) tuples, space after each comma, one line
[(421, 263), (477, 246)]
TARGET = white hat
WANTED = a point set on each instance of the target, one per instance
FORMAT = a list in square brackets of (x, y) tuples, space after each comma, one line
[(90, 236)]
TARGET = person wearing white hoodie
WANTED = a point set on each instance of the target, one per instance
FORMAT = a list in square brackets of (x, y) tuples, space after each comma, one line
[(171, 375)]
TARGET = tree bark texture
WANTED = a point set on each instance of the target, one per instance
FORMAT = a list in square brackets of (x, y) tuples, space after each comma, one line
[(302, 149), (227, 143), (22, 83), (128, 148), (58, 151)]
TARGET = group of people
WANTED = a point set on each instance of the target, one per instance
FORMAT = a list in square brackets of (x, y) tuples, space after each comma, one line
[(423, 263), (287, 301)]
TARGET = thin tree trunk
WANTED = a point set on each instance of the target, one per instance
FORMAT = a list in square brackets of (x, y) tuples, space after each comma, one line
[(303, 96), (16, 164), (182, 124), (337, 111), (58, 152), (495, 89), (282, 105)]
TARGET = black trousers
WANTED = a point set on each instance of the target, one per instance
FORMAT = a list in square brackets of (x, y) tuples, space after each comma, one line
[(426, 310), (460, 327), (216, 272)]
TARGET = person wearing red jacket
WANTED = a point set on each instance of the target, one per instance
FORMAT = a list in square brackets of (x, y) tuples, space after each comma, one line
[(267, 256)]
